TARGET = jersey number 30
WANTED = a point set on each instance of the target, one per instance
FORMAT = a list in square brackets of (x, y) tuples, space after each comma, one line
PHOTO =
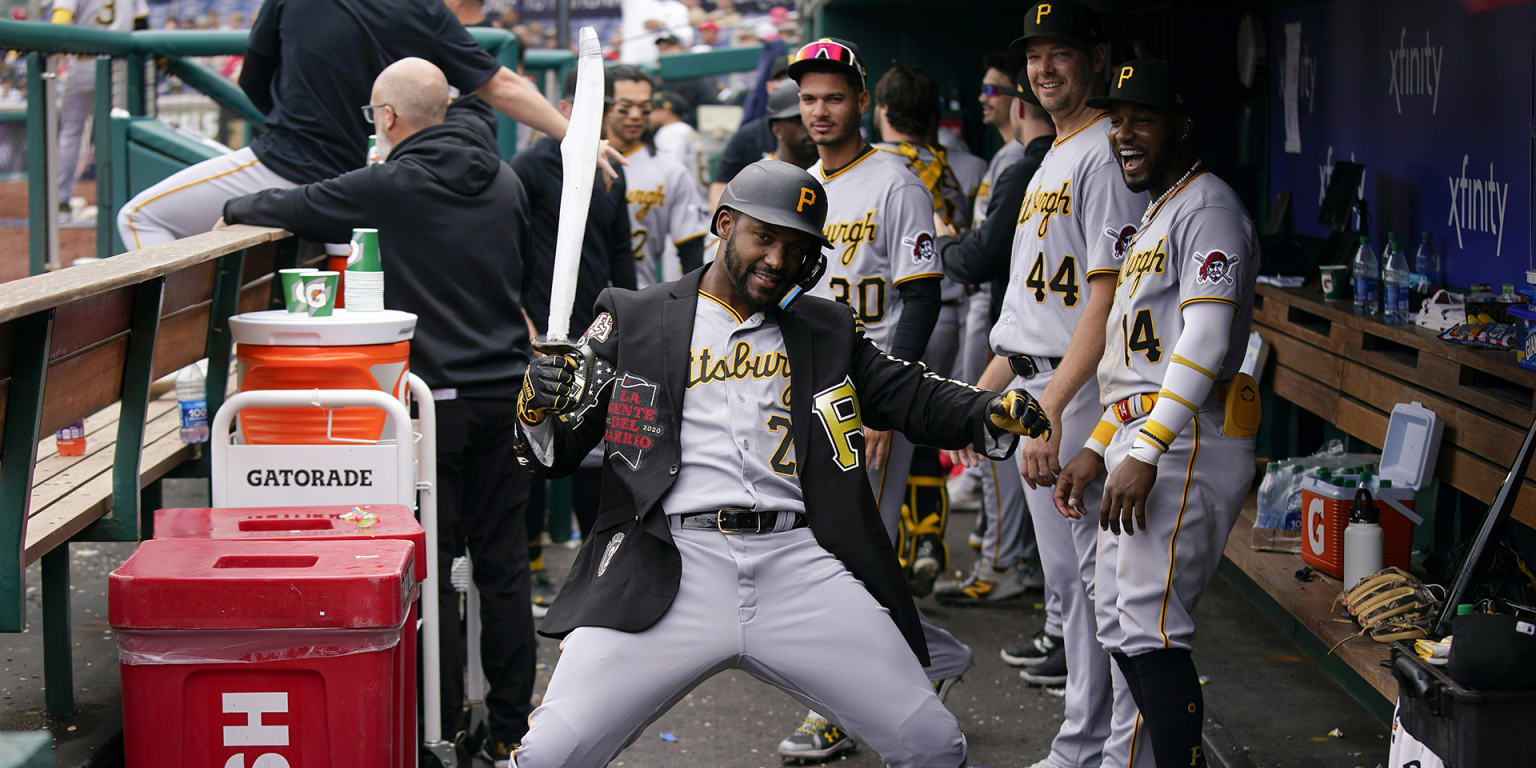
[(870, 301), (1063, 282), (1140, 337)]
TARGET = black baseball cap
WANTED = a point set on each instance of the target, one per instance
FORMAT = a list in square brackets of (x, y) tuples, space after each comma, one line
[(784, 101), (829, 54), (1148, 82), (1066, 20), (1022, 88), (672, 101)]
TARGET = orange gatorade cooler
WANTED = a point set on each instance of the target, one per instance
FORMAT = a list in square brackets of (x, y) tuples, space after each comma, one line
[(324, 523), (261, 653), (283, 350)]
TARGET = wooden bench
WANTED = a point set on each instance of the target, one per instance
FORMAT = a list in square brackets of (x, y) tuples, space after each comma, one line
[(86, 343), (1349, 371)]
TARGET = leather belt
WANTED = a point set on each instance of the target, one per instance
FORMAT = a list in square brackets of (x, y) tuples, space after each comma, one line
[(1028, 366), (1137, 406), (731, 521)]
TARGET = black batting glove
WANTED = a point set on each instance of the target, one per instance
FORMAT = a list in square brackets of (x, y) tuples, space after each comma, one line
[(1018, 412), (549, 386)]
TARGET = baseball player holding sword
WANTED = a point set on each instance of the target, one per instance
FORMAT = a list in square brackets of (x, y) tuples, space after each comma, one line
[(1051, 333), (730, 407), (1177, 433)]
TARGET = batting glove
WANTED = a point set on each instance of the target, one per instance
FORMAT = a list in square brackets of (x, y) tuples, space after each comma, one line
[(549, 386), (1018, 412)]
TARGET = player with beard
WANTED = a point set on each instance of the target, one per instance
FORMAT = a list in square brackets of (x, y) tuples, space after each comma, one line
[(1178, 429), (730, 409)]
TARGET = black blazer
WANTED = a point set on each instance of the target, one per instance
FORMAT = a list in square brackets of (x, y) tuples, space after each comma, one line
[(648, 346)]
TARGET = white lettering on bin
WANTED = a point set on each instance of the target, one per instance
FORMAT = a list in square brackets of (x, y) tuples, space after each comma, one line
[(253, 733)]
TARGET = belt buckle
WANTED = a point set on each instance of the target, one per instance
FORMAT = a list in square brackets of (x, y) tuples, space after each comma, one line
[(1023, 366)]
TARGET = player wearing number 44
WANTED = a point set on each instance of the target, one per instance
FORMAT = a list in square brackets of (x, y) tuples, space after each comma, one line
[(730, 406)]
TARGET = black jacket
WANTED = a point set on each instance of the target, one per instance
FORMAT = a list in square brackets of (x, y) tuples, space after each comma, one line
[(453, 236), (648, 346), (606, 256), (983, 254)]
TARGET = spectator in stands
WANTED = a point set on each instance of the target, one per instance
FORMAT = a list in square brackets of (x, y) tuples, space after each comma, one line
[(750, 142), (454, 235), (708, 37), (307, 67)]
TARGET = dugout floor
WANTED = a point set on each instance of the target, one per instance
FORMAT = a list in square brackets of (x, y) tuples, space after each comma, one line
[(1275, 706)]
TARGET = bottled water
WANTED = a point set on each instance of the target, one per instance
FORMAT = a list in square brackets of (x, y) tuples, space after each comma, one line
[(192, 395), (1426, 270), (1395, 281), (1365, 275)]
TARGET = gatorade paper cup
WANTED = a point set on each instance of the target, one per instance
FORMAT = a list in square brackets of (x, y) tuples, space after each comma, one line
[(364, 256), (292, 281), (320, 292), (1334, 278)]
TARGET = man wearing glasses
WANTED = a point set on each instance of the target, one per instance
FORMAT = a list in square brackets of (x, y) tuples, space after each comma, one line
[(666, 207), (307, 67), (455, 242)]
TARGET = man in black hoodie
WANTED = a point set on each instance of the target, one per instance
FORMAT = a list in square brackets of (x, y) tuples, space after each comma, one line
[(453, 236)]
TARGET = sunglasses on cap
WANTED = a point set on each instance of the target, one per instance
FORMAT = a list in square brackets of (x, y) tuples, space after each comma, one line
[(830, 50), (993, 91)]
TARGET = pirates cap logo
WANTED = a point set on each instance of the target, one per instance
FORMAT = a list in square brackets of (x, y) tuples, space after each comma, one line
[(609, 551), (1122, 238)]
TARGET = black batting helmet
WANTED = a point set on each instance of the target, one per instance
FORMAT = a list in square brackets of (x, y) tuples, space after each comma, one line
[(775, 192)]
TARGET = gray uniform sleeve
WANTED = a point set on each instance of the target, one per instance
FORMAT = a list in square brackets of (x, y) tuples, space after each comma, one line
[(1108, 207), (908, 233), (1215, 250)]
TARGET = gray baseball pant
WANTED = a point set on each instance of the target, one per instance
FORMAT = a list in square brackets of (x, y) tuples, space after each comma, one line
[(741, 604), (191, 200), (1129, 744), (1067, 556), (74, 111)]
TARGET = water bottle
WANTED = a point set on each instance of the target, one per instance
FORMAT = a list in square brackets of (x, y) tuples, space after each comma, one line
[(71, 440), (193, 398), (1363, 539), (1365, 275), (1395, 280), (1426, 270)]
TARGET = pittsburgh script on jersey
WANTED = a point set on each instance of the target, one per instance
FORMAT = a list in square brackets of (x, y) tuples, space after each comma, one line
[(1047, 204), (646, 199), (852, 233), (1142, 263), (741, 364)]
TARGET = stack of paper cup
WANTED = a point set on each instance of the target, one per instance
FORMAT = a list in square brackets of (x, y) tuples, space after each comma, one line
[(365, 273)]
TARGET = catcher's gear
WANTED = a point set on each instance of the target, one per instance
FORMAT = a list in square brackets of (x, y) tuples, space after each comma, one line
[(1019, 412), (775, 192), (1392, 605), (551, 385)]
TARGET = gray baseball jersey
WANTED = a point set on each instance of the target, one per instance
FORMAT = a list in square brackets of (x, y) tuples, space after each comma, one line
[(665, 206), (738, 384), (1011, 153), (1199, 245), (969, 170), (880, 224), (940, 179), (104, 14), (1074, 214), (679, 142)]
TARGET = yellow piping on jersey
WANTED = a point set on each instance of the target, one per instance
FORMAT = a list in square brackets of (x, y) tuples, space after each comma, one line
[(688, 239), (1192, 365), (1173, 541), (1068, 137), (1217, 299), (1096, 272), (723, 305), (910, 278), (869, 151)]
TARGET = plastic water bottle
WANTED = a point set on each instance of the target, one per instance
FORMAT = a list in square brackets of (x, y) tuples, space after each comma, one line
[(1426, 270), (193, 397), (1395, 282), (1365, 275), (71, 440)]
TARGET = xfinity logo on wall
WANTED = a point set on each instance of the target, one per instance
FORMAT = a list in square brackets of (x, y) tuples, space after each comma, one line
[(1478, 204), (1415, 71)]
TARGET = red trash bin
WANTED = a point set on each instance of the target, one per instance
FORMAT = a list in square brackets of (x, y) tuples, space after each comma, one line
[(322, 523), (269, 653)]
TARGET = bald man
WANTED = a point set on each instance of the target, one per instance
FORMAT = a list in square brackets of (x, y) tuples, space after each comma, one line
[(453, 234)]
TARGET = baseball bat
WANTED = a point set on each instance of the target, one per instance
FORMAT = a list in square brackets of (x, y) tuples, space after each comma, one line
[(578, 153)]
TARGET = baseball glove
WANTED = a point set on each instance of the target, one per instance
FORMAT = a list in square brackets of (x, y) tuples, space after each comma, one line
[(1391, 605)]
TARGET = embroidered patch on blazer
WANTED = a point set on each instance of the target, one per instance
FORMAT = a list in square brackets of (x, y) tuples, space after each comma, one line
[(633, 426), (599, 329), (609, 551)]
